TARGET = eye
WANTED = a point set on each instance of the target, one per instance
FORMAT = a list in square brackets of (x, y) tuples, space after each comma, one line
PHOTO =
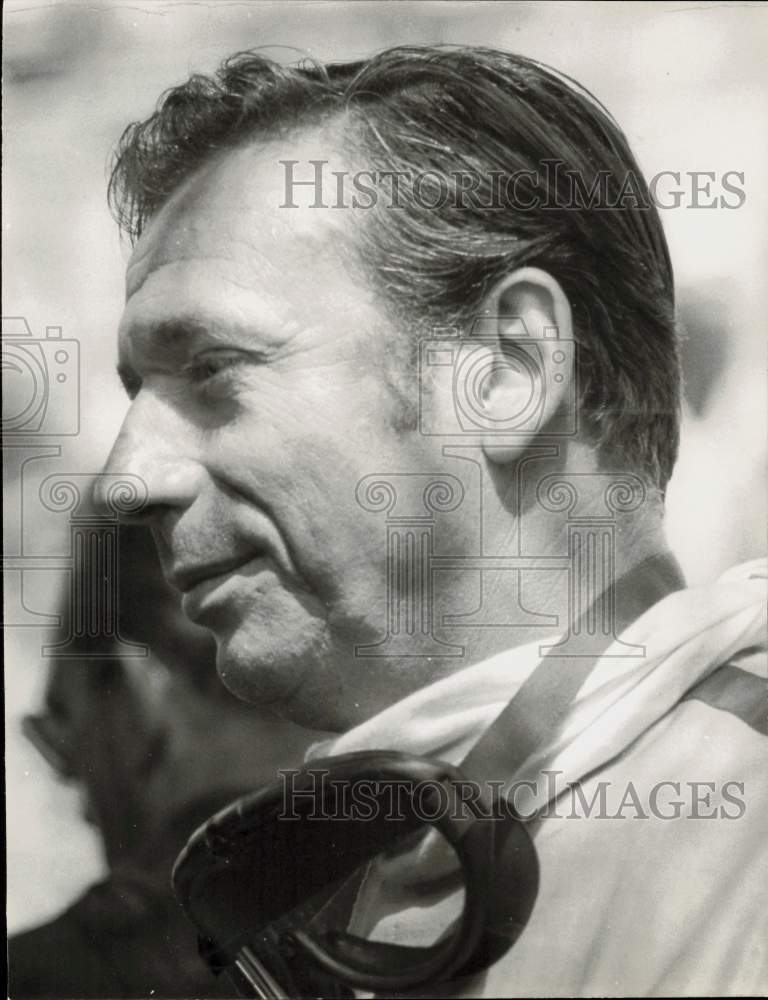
[(206, 367)]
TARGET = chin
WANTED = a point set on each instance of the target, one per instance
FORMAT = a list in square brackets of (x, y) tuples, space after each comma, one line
[(283, 653), (265, 666), (296, 682)]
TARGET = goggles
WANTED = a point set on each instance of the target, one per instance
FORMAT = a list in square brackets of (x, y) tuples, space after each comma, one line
[(267, 881), (271, 882)]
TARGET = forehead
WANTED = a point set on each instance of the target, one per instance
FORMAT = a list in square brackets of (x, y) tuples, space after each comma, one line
[(227, 232)]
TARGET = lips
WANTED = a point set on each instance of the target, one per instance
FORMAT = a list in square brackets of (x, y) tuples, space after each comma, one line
[(186, 578), (210, 588)]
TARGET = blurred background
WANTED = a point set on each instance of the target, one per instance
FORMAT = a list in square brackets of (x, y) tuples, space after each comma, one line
[(687, 82)]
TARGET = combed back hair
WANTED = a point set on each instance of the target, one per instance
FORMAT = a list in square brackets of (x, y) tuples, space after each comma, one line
[(463, 112)]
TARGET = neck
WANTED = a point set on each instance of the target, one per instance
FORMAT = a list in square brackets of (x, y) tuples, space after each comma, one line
[(578, 528), (550, 542)]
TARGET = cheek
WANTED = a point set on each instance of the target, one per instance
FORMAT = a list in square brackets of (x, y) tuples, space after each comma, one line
[(306, 472)]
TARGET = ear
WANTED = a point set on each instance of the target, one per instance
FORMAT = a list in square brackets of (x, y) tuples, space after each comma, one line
[(532, 383)]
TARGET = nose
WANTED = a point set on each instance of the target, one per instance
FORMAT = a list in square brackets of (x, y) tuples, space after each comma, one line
[(153, 465)]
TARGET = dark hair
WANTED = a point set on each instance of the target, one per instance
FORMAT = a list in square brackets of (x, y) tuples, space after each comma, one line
[(465, 111)]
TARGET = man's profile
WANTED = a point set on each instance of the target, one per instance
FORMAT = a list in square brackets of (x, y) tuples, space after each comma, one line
[(400, 342)]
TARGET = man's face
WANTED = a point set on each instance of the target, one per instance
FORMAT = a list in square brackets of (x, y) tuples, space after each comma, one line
[(257, 359)]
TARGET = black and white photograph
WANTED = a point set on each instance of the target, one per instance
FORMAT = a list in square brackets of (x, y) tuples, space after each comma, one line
[(385, 499)]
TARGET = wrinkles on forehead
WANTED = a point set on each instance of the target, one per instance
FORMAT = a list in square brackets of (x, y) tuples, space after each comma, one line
[(204, 216)]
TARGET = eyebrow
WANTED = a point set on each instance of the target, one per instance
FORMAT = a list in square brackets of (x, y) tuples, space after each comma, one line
[(169, 336), (167, 339), (174, 338)]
